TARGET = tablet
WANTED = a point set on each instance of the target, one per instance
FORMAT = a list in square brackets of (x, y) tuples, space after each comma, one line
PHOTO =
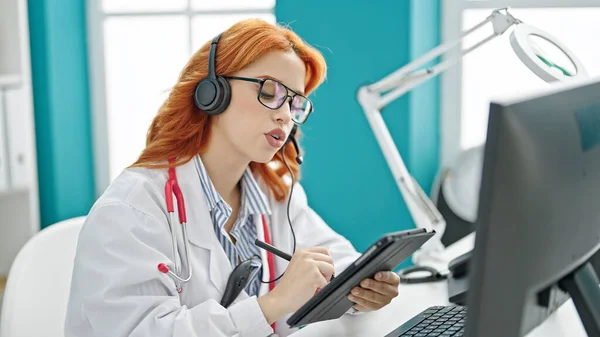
[(387, 253)]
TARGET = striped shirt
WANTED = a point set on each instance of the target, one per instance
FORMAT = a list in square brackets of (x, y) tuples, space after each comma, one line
[(253, 204)]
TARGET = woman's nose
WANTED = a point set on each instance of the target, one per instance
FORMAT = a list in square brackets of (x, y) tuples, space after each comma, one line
[(284, 113)]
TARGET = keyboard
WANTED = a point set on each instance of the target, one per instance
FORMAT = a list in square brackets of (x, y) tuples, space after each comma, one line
[(438, 321)]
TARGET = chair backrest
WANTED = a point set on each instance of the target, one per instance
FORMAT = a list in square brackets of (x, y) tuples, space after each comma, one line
[(37, 289)]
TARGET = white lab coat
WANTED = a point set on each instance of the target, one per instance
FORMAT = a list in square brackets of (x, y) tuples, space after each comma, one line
[(117, 289)]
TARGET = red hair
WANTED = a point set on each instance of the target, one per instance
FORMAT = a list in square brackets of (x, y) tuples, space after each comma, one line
[(181, 130)]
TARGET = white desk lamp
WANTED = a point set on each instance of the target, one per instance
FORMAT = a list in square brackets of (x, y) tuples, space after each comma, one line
[(526, 42)]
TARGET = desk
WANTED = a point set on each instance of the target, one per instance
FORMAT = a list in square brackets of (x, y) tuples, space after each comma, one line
[(413, 299)]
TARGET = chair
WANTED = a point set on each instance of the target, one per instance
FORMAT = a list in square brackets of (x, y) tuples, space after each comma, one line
[(37, 289)]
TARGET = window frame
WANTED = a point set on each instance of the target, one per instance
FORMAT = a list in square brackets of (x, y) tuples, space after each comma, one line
[(95, 20), (451, 80)]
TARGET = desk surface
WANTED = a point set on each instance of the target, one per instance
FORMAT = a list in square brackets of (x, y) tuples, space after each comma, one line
[(413, 299)]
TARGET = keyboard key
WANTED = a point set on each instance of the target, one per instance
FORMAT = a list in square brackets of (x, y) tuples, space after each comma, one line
[(439, 321)]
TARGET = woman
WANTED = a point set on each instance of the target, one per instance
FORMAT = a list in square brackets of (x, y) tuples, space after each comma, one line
[(226, 138)]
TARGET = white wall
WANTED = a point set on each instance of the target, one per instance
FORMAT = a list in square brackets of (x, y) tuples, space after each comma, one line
[(493, 69), (19, 210)]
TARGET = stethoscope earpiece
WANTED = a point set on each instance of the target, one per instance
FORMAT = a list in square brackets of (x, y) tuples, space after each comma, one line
[(163, 268)]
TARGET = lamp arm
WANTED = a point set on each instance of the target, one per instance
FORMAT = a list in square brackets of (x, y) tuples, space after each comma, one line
[(423, 211), (404, 74), (408, 77)]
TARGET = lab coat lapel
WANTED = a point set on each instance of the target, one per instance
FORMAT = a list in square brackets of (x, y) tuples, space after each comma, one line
[(264, 287), (200, 228)]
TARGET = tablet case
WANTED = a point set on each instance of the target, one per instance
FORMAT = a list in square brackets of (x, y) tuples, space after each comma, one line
[(387, 253)]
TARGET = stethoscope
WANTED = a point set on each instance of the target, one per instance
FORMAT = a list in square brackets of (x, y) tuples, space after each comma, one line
[(242, 273), (172, 187)]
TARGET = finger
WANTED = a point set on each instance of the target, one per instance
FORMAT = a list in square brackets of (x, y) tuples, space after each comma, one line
[(371, 296), (320, 257), (360, 308), (366, 305), (388, 277), (325, 269), (321, 250), (380, 287)]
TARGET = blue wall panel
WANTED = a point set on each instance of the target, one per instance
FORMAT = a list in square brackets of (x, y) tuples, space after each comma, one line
[(61, 108), (345, 174)]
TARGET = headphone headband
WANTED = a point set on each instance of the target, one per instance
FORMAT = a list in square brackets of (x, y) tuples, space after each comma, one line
[(211, 57)]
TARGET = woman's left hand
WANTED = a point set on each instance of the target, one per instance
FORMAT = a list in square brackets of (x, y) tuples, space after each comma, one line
[(374, 294)]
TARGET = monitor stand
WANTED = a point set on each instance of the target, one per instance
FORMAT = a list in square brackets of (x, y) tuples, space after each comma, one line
[(584, 288)]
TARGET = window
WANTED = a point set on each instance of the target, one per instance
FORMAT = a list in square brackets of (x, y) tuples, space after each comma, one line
[(137, 49), (494, 69)]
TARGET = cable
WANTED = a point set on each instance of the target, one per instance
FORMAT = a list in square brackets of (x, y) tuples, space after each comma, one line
[(288, 211)]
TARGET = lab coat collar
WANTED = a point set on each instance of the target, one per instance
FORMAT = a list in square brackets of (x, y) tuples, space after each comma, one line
[(199, 226), (201, 232)]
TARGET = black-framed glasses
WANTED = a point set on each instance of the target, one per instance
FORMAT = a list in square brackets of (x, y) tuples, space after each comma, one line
[(272, 94)]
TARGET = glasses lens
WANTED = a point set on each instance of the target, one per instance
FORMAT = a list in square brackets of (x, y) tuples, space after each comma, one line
[(301, 108), (272, 94)]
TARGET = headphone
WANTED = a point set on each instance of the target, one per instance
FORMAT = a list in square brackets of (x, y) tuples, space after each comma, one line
[(213, 94)]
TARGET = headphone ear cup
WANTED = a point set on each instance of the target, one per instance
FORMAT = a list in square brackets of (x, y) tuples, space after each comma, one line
[(205, 94), (224, 95), (212, 95)]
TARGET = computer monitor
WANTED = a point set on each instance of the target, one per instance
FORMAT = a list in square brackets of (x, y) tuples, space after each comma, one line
[(539, 212)]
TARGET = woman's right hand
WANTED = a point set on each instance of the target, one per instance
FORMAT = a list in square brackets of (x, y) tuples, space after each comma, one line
[(309, 270)]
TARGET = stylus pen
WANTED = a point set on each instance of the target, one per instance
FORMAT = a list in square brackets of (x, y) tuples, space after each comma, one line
[(270, 248)]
